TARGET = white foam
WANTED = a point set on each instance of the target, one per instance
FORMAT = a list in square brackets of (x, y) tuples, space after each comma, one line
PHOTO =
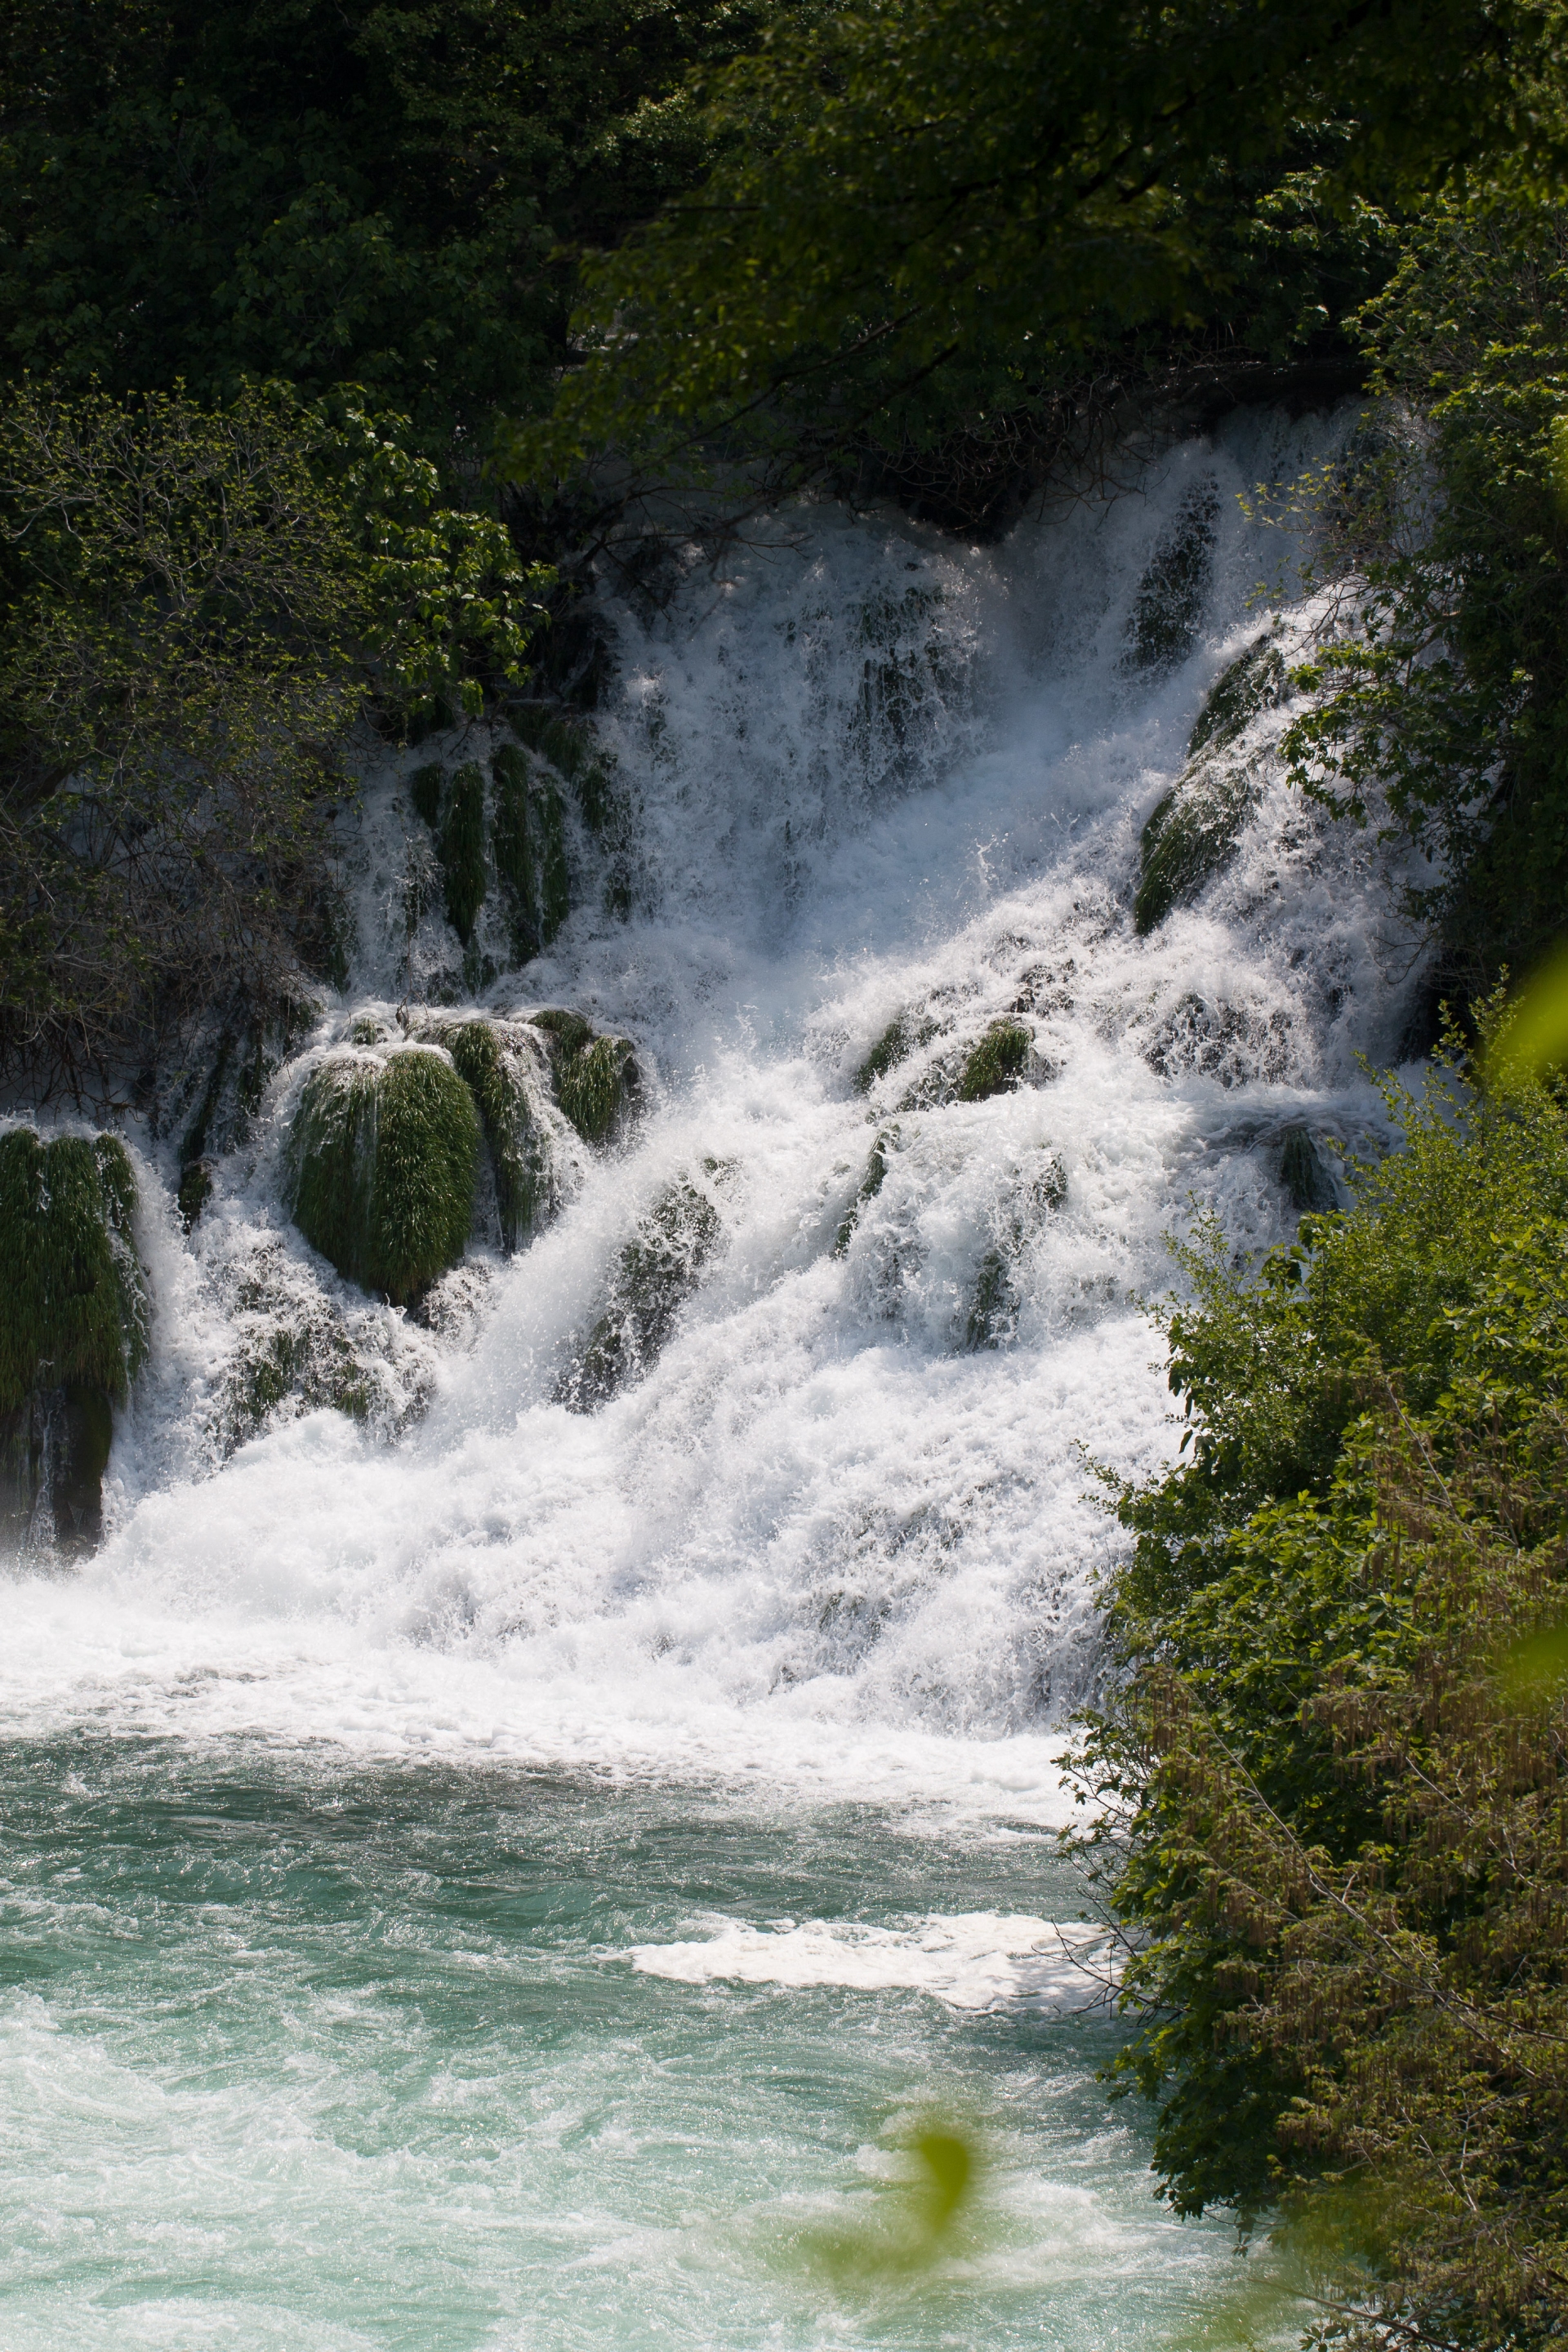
[(969, 1960)]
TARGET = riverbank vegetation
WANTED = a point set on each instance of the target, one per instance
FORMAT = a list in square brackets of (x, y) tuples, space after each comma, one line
[(1334, 1756)]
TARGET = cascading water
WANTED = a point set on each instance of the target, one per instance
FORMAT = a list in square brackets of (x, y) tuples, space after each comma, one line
[(486, 1871)]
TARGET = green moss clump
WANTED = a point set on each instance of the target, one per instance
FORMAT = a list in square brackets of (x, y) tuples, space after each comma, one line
[(886, 1054), (1190, 837), (568, 1031), (425, 792), (196, 1190), (461, 850), (516, 1159), (591, 1086), (658, 1271), (993, 1310), (870, 1185), (1169, 607), (1256, 680), (1305, 1173), (75, 1296), (571, 751), (996, 1062), (385, 1154)]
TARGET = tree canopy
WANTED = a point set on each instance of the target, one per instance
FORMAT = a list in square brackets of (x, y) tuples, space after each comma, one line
[(906, 188)]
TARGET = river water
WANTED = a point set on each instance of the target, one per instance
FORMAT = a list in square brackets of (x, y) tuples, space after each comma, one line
[(487, 1875)]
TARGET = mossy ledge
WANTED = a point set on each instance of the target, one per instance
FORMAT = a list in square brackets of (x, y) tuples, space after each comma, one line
[(596, 1078), (1191, 837), (656, 1274), (516, 1150), (74, 1330), (386, 1151)]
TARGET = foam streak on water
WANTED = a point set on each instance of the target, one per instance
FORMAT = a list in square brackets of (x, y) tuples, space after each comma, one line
[(838, 1547)]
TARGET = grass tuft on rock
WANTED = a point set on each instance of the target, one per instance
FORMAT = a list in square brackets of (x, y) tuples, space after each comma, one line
[(386, 1153), (996, 1062)]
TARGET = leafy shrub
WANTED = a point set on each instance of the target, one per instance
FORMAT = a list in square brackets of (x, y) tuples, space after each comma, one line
[(1335, 1822), (1449, 695)]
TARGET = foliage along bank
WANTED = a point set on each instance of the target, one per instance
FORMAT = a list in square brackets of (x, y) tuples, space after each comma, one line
[(1336, 1758)]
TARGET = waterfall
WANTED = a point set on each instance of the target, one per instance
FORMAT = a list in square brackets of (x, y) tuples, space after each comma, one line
[(876, 804)]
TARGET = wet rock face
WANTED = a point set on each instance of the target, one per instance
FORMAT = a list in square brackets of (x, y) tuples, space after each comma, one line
[(73, 1330), (385, 1154), (656, 1274), (1191, 837), (1168, 609), (1192, 834)]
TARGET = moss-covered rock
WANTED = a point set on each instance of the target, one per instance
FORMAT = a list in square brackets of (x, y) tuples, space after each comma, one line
[(516, 1150), (571, 751), (73, 1326), (1307, 1172), (425, 791), (596, 1078), (996, 1062), (871, 1183), (655, 1274), (75, 1310), (460, 847), (1256, 680), (1191, 836), (1168, 609), (386, 1151)]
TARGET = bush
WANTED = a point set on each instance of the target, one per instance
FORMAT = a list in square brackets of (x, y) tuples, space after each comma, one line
[(1449, 695), (1337, 1825)]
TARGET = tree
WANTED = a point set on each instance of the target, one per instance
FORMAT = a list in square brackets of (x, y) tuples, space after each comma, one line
[(906, 189), (360, 194)]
